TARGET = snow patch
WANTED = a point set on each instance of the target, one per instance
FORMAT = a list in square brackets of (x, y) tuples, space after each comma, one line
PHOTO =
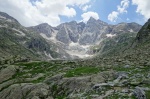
[(3, 26), (9, 20), (57, 50), (73, 44), (48, 55), (18, 31), (44, 36), (131, 30), (110, 35), (121, 30), (78, 54), (24, 42), (75, 49), (1, 17), (52, 38)]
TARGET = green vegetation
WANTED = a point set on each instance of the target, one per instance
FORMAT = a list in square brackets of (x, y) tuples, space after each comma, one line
[(82, 71), (148, 94), (38, 71), (117, 96)]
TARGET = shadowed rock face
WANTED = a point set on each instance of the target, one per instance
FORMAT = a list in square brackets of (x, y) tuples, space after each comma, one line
[(69, 31), (144, 34)]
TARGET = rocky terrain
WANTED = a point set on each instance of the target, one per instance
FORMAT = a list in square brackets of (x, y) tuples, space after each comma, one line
[(74, 80), (120, 69)]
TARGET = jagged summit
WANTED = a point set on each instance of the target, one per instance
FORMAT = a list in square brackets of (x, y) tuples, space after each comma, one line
[(91, 19)]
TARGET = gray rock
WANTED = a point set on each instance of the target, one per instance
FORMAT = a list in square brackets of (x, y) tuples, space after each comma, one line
[(126, 66), (121, 75), (7, 73), (139, 93), (27, 91), (43, 28), (92, 31), (62, 35)]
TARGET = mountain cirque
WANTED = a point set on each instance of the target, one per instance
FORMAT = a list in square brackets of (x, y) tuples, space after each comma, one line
[(78, 39)]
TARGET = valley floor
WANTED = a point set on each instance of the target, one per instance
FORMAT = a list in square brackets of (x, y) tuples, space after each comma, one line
[(73, 80)]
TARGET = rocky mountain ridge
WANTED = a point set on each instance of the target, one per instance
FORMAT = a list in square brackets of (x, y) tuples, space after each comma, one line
[(71, 39), (79, 38)]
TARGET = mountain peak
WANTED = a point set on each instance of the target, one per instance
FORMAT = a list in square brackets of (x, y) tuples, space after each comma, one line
[(91, 19), (44, 24), (5, 16)]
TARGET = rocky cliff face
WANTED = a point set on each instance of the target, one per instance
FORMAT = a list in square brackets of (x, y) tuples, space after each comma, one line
[(144, 34), (92, 32), (44, 28)]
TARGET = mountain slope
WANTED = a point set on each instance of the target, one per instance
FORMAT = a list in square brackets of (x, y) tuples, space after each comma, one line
[(132, 49), (17, 40)]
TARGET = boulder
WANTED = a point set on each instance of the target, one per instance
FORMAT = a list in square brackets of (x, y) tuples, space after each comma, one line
[(139, 93), (26, 91), (7, 73)]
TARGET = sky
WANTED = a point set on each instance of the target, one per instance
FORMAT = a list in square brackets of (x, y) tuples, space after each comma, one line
[(55, 12)]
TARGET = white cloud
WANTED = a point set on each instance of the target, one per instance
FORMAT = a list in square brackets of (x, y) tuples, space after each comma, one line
[(143, 7), (86, 7), (113, 16), (86, 16), (122, 8), (41, 11)]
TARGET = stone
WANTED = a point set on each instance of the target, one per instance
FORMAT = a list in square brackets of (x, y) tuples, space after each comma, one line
[(126, 66), (7, 73), (139, 93), (26, 90)]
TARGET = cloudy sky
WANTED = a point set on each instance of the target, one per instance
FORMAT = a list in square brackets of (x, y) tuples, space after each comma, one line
[(54, 12)]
